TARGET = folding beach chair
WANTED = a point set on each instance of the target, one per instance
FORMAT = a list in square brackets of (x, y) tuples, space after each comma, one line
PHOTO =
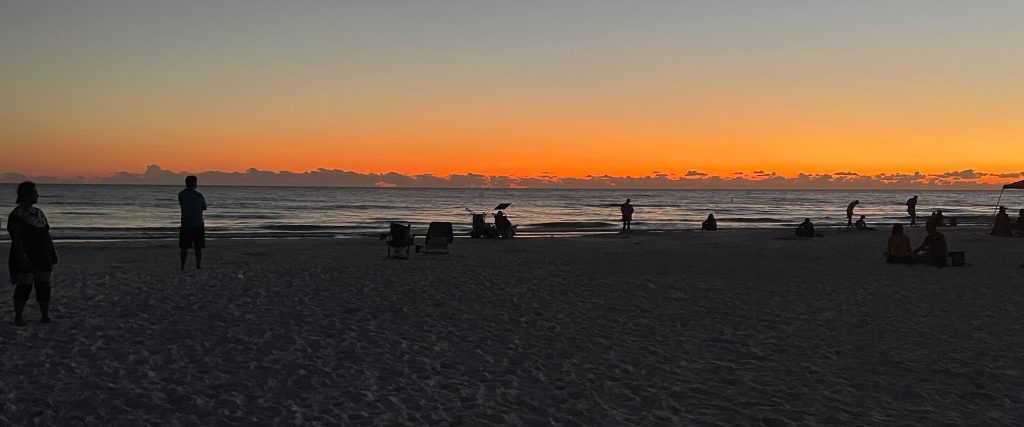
[(439, 236), (399, 240)]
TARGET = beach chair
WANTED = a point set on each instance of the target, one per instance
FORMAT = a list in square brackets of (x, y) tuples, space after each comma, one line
[(439, 236), (399, 240)]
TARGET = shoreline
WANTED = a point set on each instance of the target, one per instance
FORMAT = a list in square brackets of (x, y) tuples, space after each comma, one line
[(420, 231)]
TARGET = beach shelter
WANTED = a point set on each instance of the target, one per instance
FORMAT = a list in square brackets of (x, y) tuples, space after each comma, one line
[(1019, 185)]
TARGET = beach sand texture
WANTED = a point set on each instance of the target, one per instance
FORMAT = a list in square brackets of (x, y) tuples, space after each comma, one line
[(747, 327)]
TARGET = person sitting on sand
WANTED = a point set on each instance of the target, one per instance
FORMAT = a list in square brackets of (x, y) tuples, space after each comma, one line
[(32, 255), (849, 213), (862, 225), (710, 224), (899, 247), (627, 215), (933, 250), (1018, 227), (504, 226), (806, 229), (938, 219), (1003, 226)]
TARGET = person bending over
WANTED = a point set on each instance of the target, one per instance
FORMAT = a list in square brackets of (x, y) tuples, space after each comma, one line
[(849, 213), (912, 210)]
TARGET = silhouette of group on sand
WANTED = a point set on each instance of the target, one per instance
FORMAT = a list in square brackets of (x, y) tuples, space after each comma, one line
[(1004, 227), (33, 255)]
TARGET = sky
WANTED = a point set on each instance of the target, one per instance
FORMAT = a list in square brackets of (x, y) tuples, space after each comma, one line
[(525, 89)]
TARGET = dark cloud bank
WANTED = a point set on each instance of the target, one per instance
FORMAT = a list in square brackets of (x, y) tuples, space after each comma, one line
[(760, 179)]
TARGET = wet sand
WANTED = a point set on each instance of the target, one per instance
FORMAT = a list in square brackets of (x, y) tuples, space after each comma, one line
[(736, 326)]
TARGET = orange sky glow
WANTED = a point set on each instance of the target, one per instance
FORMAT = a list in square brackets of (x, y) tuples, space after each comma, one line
[(616, 92)]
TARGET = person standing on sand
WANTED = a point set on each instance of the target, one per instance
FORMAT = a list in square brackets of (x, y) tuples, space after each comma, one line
[(32, 254), (912, 210), (849, 213), (193, 231), (627, 215)]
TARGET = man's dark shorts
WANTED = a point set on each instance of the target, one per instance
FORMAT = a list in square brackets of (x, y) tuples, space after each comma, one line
[(192, 238)]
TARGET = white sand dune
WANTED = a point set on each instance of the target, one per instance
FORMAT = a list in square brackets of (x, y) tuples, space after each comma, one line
[(745, 327)]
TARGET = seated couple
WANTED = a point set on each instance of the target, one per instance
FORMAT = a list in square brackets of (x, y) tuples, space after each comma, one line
[(932, 251), (504, 227), (1004, 227)]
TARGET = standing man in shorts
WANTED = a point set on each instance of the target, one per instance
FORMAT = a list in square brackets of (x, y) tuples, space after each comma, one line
[(193, 232)]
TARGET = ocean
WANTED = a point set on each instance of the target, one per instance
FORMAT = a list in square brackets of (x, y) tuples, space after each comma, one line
[(98, 212)]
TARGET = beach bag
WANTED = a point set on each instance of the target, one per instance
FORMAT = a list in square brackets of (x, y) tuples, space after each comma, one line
[(957, 258)]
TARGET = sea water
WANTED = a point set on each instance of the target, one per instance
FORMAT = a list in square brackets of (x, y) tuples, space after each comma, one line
[(151, 212)]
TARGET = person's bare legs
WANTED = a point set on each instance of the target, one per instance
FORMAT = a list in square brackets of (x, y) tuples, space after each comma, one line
[(184, 257), (199, 259)]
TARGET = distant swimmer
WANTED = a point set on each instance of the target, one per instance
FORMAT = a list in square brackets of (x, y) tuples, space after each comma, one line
[(192, 234)]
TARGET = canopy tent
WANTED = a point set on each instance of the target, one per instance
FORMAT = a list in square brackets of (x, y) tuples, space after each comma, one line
[(1019, 185)]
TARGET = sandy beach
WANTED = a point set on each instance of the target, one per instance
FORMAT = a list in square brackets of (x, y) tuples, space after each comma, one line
[(748, 327)]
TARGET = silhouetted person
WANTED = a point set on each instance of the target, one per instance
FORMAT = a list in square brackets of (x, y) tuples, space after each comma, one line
[(806, 229), (849, 213), (710, 224), (898, 250), (938, 219), (862, 225), (193, 232), (1018, 226), (912, 210), (627, 215), (32, 254), (1003, 226), (503, 225), (933, 250)]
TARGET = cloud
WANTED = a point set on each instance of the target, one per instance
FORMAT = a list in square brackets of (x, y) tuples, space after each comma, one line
[(964, 174), (1009, 175), (760, 179)]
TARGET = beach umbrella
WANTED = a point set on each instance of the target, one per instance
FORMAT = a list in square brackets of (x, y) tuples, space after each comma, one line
[(1019, 185)]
